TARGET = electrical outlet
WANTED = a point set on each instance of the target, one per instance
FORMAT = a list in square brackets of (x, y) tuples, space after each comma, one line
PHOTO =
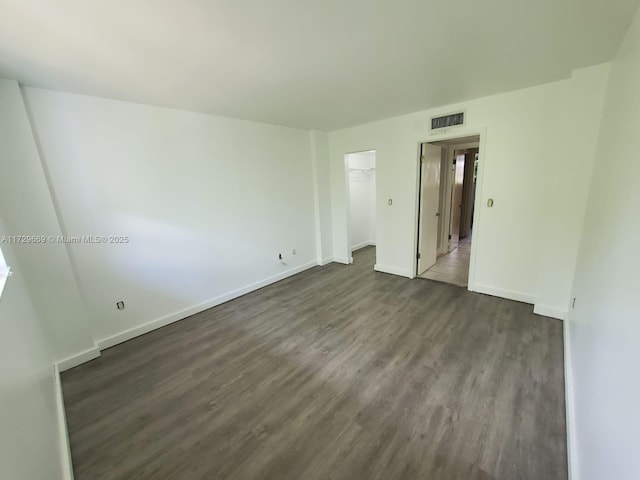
[(120, 305), (294, 251), (279, 256)]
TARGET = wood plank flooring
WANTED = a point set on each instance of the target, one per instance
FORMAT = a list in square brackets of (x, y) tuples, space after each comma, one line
[(339, 372)]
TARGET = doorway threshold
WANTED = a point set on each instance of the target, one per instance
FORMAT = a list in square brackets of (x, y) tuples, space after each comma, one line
[(452, 267)]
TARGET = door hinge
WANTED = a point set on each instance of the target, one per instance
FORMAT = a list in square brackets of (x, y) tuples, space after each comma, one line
[(449, 237), (418, 255)]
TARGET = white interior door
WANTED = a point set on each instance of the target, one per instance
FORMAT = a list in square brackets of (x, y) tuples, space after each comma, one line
[(429, 203)]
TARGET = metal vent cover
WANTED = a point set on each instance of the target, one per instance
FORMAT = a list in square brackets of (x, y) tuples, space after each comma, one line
[(445, 121)]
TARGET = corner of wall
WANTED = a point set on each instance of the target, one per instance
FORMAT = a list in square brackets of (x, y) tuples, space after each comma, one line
[(48, 272), (319, 145), (66, 464), (572, 449), (78, 359), (547, 311), (392, 270)]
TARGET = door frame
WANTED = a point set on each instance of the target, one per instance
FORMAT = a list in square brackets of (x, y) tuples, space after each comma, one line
[(443, 234), (478, 210)]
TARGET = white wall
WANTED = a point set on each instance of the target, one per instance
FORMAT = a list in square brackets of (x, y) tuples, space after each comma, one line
[(362, 198), (372, 208), (526, 134), (322, 191), (207, 203), (29, 443), (28, 209), (566, 187), (604, 329)]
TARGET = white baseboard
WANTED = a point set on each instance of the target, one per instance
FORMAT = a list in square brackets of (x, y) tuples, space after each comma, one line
[(78, 359), (63, 433), (392, 270), (174, 317), (572, 455), (550, 312), (502, 293), (344, 260), (362, 245)]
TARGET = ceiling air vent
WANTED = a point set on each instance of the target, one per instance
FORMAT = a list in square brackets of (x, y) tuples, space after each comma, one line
[(445, 121)]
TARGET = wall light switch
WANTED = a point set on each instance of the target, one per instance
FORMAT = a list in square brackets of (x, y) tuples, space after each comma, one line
[(390, 201)]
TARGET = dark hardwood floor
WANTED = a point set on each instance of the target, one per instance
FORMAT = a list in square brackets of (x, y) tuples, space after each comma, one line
[(336, 373)]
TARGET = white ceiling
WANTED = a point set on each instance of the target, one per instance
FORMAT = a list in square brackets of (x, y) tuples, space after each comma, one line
[(322, 64)]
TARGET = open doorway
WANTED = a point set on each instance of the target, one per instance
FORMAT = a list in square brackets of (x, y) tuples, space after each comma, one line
[(361, 189), (448, 179)]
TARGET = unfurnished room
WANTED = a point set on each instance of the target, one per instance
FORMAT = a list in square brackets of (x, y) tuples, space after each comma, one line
[(350, 240)]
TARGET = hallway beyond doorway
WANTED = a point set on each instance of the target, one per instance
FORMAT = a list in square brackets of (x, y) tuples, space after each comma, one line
[(452, 267), (448, 184)]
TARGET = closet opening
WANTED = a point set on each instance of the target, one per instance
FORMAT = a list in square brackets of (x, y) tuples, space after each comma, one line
[(361, 199)]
